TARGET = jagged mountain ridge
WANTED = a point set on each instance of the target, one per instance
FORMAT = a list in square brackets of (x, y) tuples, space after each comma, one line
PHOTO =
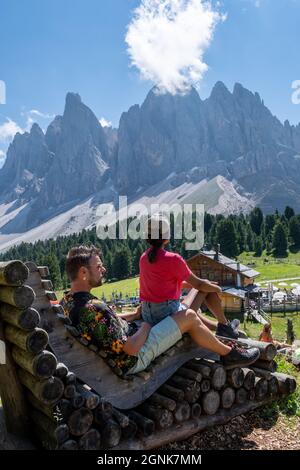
[(180, 138), (232, 134)]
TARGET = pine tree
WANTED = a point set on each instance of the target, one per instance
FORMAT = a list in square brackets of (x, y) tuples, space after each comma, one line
[(108, 266), (208, 221), (241, 237), (52, 262), (258, 246), (268, 247), (294, 231), (212, 239), (256, 220), (284, 220), (279, 242), (267, 229), (122, 264), (136, 259), (249, 238), (65, 281), (226, 236), (289, 212)]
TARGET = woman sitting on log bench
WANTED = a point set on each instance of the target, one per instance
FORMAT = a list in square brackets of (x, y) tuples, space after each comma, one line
[(131, 348), (162, 276)]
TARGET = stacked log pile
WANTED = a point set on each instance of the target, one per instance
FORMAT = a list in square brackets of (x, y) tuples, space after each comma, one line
[(67, 414)]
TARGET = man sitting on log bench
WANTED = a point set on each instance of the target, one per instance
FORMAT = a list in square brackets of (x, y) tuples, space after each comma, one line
[(129, 347)]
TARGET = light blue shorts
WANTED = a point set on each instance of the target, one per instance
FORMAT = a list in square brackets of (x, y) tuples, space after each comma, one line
[(161, 338), (153, 312)]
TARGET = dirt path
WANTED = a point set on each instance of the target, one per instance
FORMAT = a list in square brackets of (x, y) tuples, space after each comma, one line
[(251, 431)]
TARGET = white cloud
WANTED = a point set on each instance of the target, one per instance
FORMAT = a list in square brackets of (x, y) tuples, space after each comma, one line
[(36, 112), (8, 130), (104, 122), (32, 116), (167, 40)]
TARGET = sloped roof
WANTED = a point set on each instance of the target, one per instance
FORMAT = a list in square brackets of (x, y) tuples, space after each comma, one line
[(230, 263), (241, 293)]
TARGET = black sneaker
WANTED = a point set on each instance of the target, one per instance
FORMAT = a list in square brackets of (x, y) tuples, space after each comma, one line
[(226, 331), (235, 323), (242, 334), (239, 357)]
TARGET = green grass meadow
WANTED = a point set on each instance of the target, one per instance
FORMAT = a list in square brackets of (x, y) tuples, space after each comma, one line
[(270, 268), (127, 287)]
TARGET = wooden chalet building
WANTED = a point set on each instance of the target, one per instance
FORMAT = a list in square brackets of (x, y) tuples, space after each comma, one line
[(236, 279)]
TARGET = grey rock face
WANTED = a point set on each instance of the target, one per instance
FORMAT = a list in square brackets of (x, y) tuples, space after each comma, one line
[(53, 134), (81, 155), (231, 134), (228, 134), (165, 134), (28, 161)]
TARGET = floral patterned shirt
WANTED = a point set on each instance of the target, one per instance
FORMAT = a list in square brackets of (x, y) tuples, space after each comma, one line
[(100, 325)]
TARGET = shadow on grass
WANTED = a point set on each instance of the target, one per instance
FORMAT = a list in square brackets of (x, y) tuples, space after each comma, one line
[(294, 249)]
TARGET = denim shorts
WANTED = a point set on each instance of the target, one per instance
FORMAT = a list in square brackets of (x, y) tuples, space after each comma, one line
[(161, 338), (153, 313)]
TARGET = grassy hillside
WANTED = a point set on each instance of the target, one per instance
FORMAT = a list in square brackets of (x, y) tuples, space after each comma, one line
[(270, 268), (279, 324), (128, 286)]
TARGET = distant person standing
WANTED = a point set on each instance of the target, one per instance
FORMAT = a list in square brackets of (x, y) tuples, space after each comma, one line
[(267, 337)]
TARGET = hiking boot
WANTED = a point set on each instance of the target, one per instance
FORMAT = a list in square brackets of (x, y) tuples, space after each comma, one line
[(242, 334), (239, 357), (235, 323), (226, 331)]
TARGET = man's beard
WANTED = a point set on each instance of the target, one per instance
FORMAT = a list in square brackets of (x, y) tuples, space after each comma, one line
[(96, 283)]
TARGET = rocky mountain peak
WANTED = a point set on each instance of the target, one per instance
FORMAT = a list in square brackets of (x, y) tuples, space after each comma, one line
[(176, 138), (72, 99), (28, 159), (36, 130), (219, 90)]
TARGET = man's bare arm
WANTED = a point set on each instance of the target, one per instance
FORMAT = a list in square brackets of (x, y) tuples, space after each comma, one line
[(135, 342), (131, 316)]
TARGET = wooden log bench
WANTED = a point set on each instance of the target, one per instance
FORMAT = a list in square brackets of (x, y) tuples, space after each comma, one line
[(64, 395)]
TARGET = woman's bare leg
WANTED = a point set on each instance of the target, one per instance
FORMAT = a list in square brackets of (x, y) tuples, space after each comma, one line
[(211, 324), (195, 299), (189, 322), (214, 304), (194, 302)]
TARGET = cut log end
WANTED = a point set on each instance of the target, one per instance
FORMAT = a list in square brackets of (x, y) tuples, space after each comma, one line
[(13, 273), (80, 421)]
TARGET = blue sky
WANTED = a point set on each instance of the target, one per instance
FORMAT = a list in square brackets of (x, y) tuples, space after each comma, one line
[(50, 47)]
